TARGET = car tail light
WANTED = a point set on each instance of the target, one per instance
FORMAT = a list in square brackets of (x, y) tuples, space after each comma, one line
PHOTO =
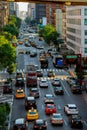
[(35, 126)]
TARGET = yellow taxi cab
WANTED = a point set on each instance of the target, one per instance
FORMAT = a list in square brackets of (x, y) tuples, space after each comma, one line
[(20, 93), (41, 58), (32, 114)]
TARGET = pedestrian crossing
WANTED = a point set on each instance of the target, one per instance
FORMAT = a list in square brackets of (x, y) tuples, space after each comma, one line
[(44, 70), (6, 98), (61, 77)]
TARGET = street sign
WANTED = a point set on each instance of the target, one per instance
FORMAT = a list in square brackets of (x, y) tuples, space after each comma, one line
[(71, 56)]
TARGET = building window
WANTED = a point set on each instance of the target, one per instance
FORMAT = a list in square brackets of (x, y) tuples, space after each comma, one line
[(85, 50), (85, 21), (85, 41), (85, 11), (85, 32)]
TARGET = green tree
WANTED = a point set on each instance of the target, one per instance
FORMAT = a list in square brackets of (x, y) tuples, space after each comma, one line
[(11, 28), (27, 20), (11, 68), (14, 20), (49, 34), (7, 54), (7, 35), (4, 111)]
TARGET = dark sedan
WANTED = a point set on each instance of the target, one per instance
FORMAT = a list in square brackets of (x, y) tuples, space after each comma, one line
[(76, 89), (39, 73), (76, 121), (40, 124), (34, 92), (59, 90)]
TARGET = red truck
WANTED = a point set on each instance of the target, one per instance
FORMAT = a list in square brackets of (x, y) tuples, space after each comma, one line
[(31, 76)]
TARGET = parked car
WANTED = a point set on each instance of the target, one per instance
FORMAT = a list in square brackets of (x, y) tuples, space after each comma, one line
[(71, 109), (30, 102), (20, 124), (58, 90), (76, 88), (40, 124), (76, 121), (56, 119), (50, 108), (7, 87), (34, 92)]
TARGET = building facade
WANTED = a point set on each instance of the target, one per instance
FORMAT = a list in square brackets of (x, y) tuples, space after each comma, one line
[(40, 10), (76, 29), (4, 12)]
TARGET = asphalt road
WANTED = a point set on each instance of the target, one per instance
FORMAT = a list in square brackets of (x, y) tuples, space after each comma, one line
[(18, 109)]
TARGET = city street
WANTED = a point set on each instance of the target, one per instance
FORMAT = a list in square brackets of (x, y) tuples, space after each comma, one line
[(18, 109)]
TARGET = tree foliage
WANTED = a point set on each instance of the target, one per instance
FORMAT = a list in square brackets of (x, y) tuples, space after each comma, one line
[(49, 34), (27, 20), (4, 111), (11, 68), (7, 53), (11, 28), (7, 35), (13, 25)]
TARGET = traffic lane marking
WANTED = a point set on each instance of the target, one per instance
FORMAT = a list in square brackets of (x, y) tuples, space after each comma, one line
[(65, 89)]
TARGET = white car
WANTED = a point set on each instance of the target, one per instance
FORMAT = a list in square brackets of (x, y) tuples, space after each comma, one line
[(56, 119), (48, 99), (43, 83), (70, 109)]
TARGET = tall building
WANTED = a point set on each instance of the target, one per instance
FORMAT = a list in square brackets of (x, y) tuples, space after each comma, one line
[(40, 12), (12, 8), (76, 33), (59, 21), (4, 12), (31, 11)]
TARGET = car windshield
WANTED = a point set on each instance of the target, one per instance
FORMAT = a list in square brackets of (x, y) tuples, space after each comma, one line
[(20, 92), (57, 116), (58, 88), (49, 96), (43, 81), (51, 106), (73, 107), (34, 90), (40, 122), (32, 112), (56, 80)]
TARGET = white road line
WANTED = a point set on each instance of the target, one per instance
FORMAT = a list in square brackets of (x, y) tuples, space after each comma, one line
[(59, 107), (65, 123), (65, 89)]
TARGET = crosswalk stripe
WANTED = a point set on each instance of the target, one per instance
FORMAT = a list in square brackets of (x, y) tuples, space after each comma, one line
[(50, 78)]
